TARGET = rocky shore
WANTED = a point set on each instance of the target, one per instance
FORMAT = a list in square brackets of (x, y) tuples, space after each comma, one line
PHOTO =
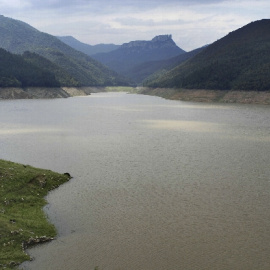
[(202, 95), (45, 92)]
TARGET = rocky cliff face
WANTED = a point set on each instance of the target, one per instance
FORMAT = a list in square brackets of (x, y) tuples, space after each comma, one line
[(163, 38), (162, 41)]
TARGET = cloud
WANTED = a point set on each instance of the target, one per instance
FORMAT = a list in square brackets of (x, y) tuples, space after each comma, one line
[(101, 5), (193, 23)]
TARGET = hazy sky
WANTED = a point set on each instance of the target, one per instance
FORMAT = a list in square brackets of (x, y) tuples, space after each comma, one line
[(192, 23)]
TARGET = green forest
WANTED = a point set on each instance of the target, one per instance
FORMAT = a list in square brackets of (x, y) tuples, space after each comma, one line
[(15, 71), (239, 61)]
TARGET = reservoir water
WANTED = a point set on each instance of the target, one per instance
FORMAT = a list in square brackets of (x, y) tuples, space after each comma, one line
[(157, 184)]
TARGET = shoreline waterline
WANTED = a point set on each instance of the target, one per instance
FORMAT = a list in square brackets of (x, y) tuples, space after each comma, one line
[(203, 95), (194, 95)]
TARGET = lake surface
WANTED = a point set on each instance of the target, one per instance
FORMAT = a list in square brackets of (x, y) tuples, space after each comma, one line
[(157, 184)]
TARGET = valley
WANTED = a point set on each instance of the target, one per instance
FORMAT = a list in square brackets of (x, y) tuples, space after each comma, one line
[(134, 135), (39, 65)]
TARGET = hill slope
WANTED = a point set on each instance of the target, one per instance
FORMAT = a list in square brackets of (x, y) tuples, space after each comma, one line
[(15, 71), (60, 74), (18, 37), (240, 60), (134, 53), (142, 71), (86, 48)]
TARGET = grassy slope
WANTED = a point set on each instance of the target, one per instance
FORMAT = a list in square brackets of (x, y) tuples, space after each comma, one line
[(22, 220), (128, 89)]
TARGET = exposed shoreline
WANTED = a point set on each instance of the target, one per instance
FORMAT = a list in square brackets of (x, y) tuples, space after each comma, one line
[(195, 95), (46, 92), (202, 95)]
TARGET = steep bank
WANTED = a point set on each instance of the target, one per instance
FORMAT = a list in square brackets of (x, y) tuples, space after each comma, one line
[(47, 93), (231, 96), (32, 93)]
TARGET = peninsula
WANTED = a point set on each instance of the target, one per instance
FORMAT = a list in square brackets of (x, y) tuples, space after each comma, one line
[(23, 222)]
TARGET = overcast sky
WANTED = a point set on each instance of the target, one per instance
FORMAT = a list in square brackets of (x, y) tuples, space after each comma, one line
[(192, 23)]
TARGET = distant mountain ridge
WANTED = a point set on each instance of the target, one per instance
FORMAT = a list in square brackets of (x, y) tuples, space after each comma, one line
[(18, 37), (238, 61), (162, 41), (152, 69), (137, 52), (86, 48)]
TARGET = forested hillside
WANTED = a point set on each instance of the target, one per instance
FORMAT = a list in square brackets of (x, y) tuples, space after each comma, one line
[(240, 60), (60, 74), (18, 37), (154, 68), (15, 71)]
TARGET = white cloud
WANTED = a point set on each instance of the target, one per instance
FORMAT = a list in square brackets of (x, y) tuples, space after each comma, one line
[(193, 23)]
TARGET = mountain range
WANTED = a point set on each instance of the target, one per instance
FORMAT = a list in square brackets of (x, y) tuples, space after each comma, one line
[(239, 61), (86, 48), (129, 55), (18, 37)]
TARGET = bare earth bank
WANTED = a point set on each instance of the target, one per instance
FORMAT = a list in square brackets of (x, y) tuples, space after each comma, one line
[(202, 95), (32, 92), (45, 92), (230, 96)]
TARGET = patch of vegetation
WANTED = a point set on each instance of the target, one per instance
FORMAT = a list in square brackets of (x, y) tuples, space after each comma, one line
[(22, 220), (120, 89)]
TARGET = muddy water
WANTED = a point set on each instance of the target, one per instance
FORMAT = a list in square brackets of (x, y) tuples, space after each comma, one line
[(157, 184)]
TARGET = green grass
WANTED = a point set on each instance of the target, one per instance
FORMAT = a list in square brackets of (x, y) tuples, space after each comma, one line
[(22, 220), (128, 89)]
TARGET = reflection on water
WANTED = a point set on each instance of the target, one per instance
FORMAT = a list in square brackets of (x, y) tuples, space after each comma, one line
[(196, 126), (191, 126), (25, 131), (157, 184)]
